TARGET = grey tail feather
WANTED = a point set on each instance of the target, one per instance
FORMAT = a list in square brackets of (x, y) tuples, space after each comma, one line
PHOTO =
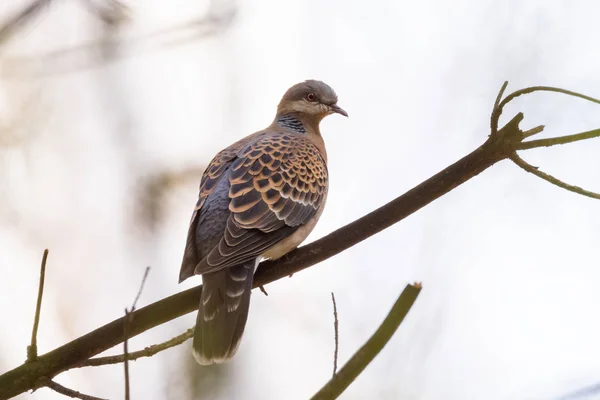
[(222, 314)]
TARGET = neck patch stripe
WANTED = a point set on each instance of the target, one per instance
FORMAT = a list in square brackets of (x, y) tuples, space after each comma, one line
[(291, 122)]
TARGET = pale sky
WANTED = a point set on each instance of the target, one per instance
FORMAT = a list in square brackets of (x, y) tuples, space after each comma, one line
[(509, 263)]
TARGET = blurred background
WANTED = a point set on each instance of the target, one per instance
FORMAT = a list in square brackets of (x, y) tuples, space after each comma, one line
[(109, 113)]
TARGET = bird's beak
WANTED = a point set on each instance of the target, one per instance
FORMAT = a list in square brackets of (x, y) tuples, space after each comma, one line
[(337, 109)]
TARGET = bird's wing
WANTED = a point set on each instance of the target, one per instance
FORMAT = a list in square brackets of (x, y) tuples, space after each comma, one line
[(277, 183), (213, 172)]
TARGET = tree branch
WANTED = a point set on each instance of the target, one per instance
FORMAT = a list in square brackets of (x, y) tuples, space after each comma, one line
[(363, 357), (32, 350), (559, 140), (498, 147), (549, 178), (147, 352), (126, 325), (24, 377), (58, 388), (335, 334)]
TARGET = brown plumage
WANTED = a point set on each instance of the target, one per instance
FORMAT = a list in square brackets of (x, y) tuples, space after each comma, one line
[(260, 197)]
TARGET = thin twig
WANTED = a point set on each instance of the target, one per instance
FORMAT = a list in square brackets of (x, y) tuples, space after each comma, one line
[(127, 321), (68, 392), (533, 89), (262, 289), (534, 144), (139, 293), (336, 334), (496, 111), (32, 353), (372, 347), (499, 106), (518, 144), (533, 131), (147, 352), (549, 178), (8, 28)]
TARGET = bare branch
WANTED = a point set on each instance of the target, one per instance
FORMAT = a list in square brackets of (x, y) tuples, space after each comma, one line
[(533, 131), (68, 392), (74, 353), (516, 136), (139, 293), (147, 352), (549, 178), (496, 110), (32, 353), (17, 21), (127, 321), (372, 347), (534, 144), (336, 334), (534, 89), (499, 105)]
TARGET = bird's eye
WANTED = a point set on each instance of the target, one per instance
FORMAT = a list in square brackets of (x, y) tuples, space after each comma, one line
[(311, 97)]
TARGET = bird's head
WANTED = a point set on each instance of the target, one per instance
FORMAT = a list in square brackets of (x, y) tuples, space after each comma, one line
[(314, 99)]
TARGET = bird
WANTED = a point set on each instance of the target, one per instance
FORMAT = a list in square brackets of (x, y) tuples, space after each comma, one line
[(258, 198)]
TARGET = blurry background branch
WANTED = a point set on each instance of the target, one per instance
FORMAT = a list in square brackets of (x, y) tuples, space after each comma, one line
[(110, 11), (154, 188), (500, 145), (585, 393), (21, 18), (220, 16)]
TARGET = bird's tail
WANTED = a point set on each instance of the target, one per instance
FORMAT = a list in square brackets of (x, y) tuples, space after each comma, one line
[(222, 313)]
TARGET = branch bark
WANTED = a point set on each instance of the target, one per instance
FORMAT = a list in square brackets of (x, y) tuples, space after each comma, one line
[(70, 355)]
